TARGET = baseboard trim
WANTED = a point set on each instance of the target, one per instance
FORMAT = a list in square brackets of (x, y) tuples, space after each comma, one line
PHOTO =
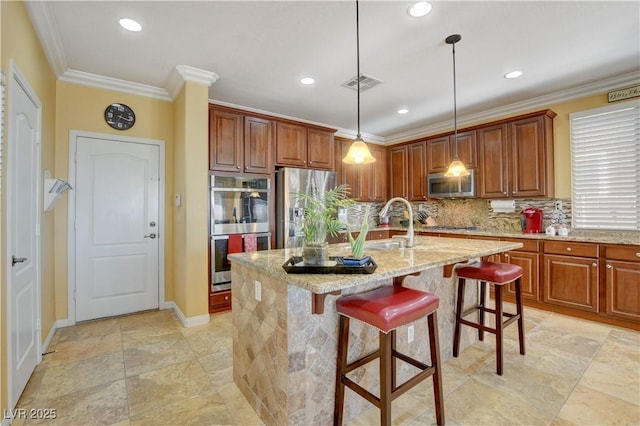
[(187, 321)]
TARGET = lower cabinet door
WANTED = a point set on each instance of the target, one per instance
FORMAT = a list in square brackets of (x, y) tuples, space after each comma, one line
[(529, 263), (623, 289), (571, 282)]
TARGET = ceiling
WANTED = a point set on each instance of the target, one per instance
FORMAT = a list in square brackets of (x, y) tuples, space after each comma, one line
[(261, 49)]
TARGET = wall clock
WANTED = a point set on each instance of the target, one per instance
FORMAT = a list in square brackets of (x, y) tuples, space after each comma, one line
[(119, 116)]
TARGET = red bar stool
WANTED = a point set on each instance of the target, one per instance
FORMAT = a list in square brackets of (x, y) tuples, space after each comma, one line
[(499, 274), (387, 308)]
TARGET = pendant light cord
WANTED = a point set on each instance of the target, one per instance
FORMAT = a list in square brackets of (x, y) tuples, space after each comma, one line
[(358, 137), (455, 106)]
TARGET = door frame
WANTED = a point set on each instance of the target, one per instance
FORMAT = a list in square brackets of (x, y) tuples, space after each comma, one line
[(16, 77), (71, 202)]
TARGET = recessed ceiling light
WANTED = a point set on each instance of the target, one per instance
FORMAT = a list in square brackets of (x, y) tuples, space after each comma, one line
[(403, 111), (130, 24), (419, 9), (307, 80), (513, 74)]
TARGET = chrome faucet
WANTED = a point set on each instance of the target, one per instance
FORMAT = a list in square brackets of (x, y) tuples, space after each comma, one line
[(385, 210)]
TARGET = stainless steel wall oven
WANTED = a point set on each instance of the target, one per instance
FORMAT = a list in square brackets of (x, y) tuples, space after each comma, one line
[(240, 209)]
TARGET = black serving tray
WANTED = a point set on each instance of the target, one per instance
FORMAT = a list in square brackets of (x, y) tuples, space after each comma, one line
[(295, 265)]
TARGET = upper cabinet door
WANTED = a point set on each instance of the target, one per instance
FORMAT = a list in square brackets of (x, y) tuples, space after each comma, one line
[(467, 150), (225, 141), (492, 153), (438, 156), (258, 145), (373, 177), (320, 149), (528, 157), (398, 171), (416, 173), (291, 145), (441, 150)]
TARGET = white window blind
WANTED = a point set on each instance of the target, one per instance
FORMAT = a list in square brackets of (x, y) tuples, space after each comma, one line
[(605, 167)]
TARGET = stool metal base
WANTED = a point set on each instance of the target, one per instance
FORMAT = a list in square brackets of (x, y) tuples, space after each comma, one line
[(388, 356)]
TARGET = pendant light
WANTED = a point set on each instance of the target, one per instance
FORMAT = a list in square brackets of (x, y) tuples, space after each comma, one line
[(456, 168), (358, 151)]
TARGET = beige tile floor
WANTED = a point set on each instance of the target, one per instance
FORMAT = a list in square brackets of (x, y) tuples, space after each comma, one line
[(146, 369)]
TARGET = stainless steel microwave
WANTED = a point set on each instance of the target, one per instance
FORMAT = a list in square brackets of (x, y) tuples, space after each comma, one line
[(440, 186)]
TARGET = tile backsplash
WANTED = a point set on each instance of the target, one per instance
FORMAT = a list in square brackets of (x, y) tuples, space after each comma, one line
[(468, 212)]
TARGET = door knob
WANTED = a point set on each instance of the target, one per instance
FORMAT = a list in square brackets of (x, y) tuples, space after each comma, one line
[(152, 236), (15, 260)]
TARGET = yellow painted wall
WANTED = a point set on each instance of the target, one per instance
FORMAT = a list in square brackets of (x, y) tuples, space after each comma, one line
[(562, 138), (82, 108), (190, 226), (20, 43)]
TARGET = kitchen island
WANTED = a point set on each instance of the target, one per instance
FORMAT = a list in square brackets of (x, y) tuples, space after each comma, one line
[(285, 329)]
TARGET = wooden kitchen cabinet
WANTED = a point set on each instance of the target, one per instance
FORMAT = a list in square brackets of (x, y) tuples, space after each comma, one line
[(515, 158), (528, 258), (373, 177), (407, 171), (493, 176), (303, 146), (239, 143), (378, 235), (398, 160), (258, 145), (367, 182), (226, 141), (570, 275), (622, 271), (219, 301), (416, 171), (441, 149)]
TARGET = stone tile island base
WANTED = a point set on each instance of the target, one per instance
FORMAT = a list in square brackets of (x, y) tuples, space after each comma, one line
[(284, 357)]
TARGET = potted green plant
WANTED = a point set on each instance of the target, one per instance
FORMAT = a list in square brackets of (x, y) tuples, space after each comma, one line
[(320, 220)]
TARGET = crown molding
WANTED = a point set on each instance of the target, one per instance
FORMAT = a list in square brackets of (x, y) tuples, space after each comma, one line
[(351, 134), (115, 84), (45, 26), (184, 73), (593, 88)]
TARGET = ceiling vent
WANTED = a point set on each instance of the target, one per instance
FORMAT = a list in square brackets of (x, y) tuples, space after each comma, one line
[(366, 82)]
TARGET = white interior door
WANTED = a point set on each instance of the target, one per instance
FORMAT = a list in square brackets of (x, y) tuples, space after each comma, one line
[(23, 216), (117, 227)]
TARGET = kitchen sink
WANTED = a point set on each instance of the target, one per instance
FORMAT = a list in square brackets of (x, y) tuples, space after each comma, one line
[(382, 245)]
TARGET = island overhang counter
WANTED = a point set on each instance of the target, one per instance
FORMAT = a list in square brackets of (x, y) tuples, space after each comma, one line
[(284, 354)]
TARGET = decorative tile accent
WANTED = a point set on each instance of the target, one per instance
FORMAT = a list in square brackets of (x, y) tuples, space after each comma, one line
[(284, 358)]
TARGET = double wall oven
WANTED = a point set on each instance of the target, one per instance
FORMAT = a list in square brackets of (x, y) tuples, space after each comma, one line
[(240, 208)]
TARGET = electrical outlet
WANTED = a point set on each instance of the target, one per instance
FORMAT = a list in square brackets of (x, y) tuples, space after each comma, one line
[(258, 290), (410, 334), (558, 205)]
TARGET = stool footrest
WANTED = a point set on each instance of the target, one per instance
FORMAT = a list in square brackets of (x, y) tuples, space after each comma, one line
[(396, 391), (362, 361)]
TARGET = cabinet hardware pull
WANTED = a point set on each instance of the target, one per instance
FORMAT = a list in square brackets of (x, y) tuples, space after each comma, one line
[(609, 266), (594, 264), (238, 167), (568, 248), (637, 254)]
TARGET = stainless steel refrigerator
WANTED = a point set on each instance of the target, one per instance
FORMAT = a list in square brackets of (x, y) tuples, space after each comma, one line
[(289, 210)]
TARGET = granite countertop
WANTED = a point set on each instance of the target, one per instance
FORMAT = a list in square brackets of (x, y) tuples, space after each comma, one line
[(602, 237), (428, 252)]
